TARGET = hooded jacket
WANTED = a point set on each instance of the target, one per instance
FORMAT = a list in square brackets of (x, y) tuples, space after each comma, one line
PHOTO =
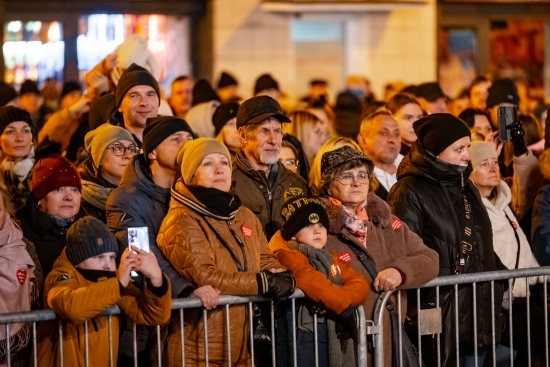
[(428, 196), (390, 244), (139, 202), (253, 188), (78, 300), (188, 240)]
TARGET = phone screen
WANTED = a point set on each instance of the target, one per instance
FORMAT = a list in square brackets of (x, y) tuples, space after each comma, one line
[(138, 237), (506, 117)]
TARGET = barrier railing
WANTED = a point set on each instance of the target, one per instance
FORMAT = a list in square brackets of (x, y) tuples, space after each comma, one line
[(430, 322), (179, 306)]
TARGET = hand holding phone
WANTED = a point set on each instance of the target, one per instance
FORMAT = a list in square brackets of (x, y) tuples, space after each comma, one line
[(138, 237), (506, 116)]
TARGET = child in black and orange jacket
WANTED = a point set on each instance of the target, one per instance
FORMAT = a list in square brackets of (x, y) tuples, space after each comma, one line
[(333, 289)]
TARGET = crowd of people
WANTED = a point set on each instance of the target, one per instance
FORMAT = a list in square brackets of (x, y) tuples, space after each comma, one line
[(240, 196)]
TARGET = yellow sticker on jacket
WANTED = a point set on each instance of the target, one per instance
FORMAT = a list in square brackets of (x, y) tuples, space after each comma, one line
[(334, 270)]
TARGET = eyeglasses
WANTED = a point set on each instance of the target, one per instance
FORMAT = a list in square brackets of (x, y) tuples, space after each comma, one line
[(347, 178), (120, 150), (290, 162)]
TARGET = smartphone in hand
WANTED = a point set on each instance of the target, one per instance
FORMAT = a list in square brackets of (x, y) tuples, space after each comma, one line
[(506, 116), (138, 237)]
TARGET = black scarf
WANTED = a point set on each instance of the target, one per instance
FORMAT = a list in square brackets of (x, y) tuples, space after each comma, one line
[(96, 275), (212, 202)]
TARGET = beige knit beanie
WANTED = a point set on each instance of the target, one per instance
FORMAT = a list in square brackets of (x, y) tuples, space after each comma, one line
[(194, 151), (480, 151), (97, 141)]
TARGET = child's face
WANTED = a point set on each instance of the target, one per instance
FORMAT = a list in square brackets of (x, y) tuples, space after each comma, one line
[(105, 261), (313, 235)]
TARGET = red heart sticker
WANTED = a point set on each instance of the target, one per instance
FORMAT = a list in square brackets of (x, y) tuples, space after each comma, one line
[(345, 257), (396, 224), (247, 231), (21, 276)]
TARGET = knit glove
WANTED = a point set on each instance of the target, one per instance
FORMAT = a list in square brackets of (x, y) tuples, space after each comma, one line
[(278, 285), (346, 327), (517, 137)]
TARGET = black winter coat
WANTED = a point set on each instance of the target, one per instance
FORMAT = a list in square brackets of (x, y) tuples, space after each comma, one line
[(428, 197), (38, 227)]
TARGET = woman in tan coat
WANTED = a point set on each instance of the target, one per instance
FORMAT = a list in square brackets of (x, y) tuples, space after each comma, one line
[(211, 239)]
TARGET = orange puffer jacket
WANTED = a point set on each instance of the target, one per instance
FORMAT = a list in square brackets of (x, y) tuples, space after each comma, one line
[(77, 300), (187, 239)]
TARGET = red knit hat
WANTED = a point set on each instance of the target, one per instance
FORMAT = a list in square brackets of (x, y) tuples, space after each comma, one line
[(53, 172)]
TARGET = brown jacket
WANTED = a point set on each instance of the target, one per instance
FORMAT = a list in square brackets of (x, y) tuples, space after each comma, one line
[(390, 244), (77, 300), (187, 240)]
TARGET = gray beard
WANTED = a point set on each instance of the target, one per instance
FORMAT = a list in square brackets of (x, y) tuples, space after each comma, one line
[(268, 159)]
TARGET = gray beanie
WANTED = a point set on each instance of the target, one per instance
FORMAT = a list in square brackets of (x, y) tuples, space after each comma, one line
[(480, 151), (97, 141), (88, 237)]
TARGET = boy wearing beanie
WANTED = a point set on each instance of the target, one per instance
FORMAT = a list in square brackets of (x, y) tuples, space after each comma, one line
[(333, 289), (84, 282)]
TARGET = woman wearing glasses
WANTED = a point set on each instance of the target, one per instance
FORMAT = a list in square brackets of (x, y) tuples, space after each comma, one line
[(110, 148), (361, 223)]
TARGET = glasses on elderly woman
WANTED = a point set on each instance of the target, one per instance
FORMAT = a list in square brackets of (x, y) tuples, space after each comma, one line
[(119, 150), (347, 178)]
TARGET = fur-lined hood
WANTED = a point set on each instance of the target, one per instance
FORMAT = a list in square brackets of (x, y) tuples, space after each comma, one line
[(377, 209)]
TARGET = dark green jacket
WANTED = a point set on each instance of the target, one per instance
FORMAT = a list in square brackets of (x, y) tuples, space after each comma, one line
[(253, 189)]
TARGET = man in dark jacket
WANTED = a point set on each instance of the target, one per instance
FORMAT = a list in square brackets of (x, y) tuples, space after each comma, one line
[(261, 179), (434, 197)]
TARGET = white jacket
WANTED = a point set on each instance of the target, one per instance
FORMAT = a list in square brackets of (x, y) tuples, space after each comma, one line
[(504, 239)]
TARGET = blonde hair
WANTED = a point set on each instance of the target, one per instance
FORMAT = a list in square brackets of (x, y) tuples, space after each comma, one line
[(6, 200), (315, 170), (302, 124)]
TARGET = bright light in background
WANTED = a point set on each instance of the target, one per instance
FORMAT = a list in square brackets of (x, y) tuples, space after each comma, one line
[(14, 26), (54, 32)]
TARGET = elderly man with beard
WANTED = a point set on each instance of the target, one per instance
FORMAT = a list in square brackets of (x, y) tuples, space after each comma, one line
[(260, 179), (380, 140)]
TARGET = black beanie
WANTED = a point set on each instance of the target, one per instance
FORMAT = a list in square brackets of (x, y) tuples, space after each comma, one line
[(69, 87), (89, 237), (301, 211), (7, 93), (264, 82), (29, 86), (436, 132), (9, 114), (135, 75), (226, 80), (159, 128), (502, 91), (203, 92), (224, 112)]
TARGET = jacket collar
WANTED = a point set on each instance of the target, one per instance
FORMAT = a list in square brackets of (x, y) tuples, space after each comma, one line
[(138, 174)]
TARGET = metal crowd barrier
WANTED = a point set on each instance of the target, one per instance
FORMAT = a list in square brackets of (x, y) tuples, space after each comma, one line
[(430, 322), (180, 305)]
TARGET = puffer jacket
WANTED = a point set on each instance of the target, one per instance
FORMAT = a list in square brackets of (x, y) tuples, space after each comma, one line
[(428, 196), (139, 202), (38, 228), (77, 300), (253, 188), (390, 244), (188, 241)]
